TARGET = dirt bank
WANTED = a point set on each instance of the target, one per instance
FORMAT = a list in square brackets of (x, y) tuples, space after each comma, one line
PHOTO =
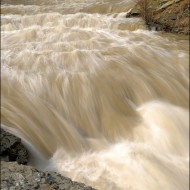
[(166, 15)]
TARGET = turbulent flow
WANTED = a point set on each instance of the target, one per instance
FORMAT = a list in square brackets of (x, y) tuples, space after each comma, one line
[(94, 95)]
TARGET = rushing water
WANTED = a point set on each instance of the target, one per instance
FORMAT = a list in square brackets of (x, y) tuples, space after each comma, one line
[(94, 95)]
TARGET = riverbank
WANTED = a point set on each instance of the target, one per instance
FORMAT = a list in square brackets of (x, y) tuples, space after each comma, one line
[(165, 15)]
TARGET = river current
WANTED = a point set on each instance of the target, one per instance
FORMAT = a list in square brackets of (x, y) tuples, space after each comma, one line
[(96, 96)]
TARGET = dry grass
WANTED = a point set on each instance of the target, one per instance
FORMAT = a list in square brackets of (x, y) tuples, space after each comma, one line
[(146, 10), (149, 12)]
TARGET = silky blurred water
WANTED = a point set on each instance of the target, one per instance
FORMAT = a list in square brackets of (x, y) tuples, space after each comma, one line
[(96, 96)]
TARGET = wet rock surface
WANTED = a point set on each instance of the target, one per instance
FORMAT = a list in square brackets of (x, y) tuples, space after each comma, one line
[(22, 177), (133, 13), (16, 175), (12, 149)]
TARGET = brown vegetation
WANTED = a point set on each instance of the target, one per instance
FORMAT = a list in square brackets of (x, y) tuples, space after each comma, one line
[(173, 18), (145, 10)]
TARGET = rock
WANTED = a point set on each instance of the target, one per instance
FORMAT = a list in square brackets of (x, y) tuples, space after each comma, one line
[(22, 177), (128, 14), (133, 13), (155, 26), (12, 148), (167, 4), (172, 17), (15, 176), (161, 2)]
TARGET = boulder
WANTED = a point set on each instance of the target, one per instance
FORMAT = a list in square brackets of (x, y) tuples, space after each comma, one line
[(18, 176), (133, 12), (168, 3), (12, 148), (21, 177)]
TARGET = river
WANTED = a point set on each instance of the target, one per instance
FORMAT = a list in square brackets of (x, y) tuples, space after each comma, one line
[(96, 96)]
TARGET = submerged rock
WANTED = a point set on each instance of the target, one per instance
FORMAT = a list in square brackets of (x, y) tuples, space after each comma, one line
[(22, 177), (12, 149)]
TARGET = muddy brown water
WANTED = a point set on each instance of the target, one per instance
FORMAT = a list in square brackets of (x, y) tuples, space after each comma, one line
[(94, 95)]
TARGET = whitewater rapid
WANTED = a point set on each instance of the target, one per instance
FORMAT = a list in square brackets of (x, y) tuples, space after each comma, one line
[(96, 96)]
